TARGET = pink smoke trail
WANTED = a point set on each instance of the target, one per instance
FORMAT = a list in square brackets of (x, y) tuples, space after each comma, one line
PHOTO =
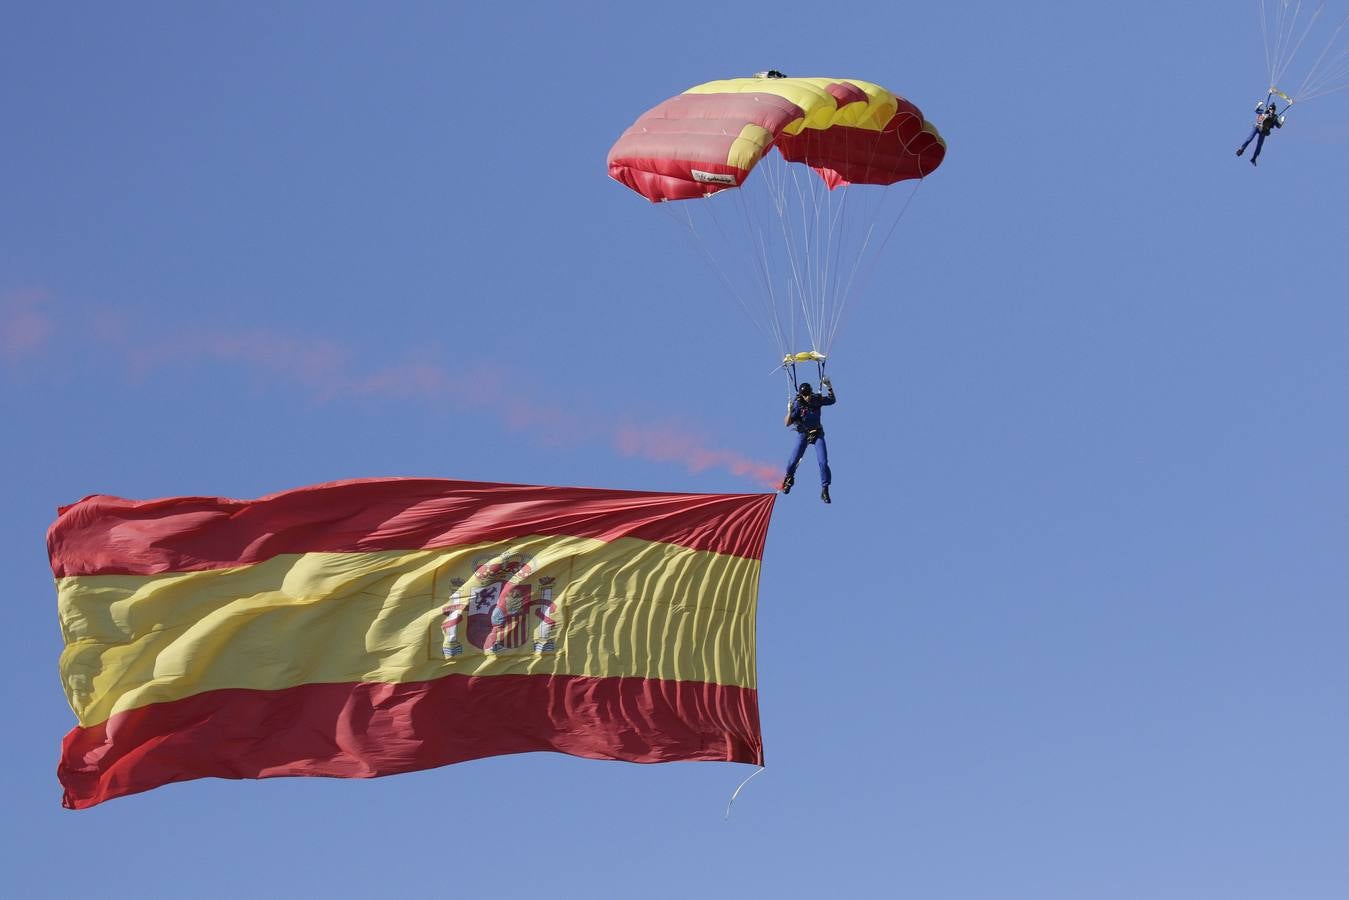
[(324, 370), (24, 327), (671, 443)]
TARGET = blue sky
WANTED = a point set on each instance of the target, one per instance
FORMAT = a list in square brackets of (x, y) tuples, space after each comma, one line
[(1074, 625)]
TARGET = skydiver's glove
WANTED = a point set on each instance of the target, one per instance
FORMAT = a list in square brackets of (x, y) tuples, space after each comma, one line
[(824, 380), (1260, 107), (1281, 120)]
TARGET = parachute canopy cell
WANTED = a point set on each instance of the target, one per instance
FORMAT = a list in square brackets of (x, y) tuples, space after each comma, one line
[(710, 137)]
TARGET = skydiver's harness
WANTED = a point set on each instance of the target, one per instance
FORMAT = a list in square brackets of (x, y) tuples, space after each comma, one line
[(812, 434), (789, 363)]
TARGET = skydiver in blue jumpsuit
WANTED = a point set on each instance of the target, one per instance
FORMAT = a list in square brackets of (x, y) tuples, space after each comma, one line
[(1266, 120), (804, 413)]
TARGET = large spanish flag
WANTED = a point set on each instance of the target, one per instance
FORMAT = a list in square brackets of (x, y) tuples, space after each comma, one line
[(363, 628)]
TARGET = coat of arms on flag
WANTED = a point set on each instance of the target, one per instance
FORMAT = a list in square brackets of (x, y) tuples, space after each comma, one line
[(501, 606)]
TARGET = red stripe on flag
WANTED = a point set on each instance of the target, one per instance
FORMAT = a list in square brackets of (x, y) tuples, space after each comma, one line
[(103, 535), (366, 730)]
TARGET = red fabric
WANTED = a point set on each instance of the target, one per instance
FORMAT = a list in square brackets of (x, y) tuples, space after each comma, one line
[(845, 94), (366, 730), (844, 155), (104, 535), (657, 155)]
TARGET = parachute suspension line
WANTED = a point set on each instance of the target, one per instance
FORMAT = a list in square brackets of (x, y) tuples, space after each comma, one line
[(1327, 77), (1277, 55), (711, 261), (797, 283), (1335, 77), (830, 280), (1285, 32), (1274, 60), (772, 209), (824, 240), (830, 246), (791, 246), (1282, 35), (1278, 76), (1264, 35), (791, 277), (836, 263), (766, 294), (803, 275), (1335, 80), (872, 213), (852, 277), (818, 220), (875, 258), (832, 218), (813, 223), (821, 208), (818, 215), (829, 298), (833, 265), (765, 273)]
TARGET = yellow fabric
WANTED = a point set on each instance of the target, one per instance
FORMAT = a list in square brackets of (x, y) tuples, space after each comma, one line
[(751, 144), (624, 608), (821, 109)]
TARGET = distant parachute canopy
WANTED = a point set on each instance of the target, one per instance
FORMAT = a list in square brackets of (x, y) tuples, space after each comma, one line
[(711, 137)]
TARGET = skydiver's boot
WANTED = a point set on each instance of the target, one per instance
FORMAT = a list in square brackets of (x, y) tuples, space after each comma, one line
[(1253, 160), (787, 484), (824, 494), (1240, 150)]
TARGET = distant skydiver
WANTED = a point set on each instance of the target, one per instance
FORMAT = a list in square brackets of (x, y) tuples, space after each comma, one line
[(803, 411), (1266, 120)]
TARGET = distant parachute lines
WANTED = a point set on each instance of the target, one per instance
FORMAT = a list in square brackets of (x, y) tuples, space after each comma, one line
[(1306, 48)]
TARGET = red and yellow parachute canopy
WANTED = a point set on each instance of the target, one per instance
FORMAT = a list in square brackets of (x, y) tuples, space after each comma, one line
[(711, 137), (790, 248)]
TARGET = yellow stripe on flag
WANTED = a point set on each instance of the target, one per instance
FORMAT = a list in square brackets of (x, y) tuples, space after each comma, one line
[(624, 608)]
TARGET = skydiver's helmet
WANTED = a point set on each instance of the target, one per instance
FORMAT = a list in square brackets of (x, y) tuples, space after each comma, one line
[(804, 390), (1273, 109)]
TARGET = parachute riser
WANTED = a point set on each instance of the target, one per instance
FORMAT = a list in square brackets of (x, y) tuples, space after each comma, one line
[(790, 361), (1288, 101), (794, 382)]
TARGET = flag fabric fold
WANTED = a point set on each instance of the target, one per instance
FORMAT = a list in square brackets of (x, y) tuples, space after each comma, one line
[(370, 627)]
